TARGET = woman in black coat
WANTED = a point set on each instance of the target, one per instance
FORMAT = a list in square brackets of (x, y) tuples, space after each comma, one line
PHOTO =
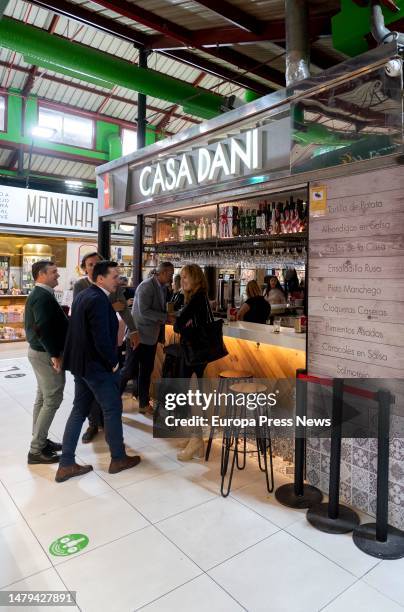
[(196, 313)]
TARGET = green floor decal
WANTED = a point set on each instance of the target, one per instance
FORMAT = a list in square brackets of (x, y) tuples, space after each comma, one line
[(68, 544)]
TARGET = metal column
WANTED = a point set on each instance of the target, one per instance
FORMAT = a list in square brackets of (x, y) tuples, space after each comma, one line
[(104, 238), (141, 143)]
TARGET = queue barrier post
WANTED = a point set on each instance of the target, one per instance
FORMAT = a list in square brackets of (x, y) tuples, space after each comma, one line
[(299, 494), (333, 517), (380, 539)]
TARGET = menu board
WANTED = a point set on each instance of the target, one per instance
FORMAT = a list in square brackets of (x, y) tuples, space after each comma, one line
[(356, 276)]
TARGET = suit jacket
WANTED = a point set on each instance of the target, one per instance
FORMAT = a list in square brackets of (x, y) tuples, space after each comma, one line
[(117, 296), (149, 311), (91, 341)]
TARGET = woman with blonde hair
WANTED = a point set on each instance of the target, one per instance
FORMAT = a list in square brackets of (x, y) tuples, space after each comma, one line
[(255, 309), (196, 313)]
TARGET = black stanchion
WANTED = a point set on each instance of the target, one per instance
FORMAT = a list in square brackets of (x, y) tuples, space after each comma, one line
[(298, 494), (332, 517), (380, 539)]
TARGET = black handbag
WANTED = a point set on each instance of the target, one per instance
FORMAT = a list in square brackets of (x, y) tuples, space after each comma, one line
[(203, 344)]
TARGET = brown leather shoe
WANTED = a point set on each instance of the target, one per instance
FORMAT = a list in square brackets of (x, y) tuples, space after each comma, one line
[(64, 473), (118, 465)]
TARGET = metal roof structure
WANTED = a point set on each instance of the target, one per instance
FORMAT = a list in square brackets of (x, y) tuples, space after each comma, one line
[(225, 47)]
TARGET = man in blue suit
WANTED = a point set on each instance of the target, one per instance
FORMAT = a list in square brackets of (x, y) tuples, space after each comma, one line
[(91, 356)]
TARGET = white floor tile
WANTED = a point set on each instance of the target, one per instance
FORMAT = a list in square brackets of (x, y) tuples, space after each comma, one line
[(216, 530), (163, 496), (130, 565), (128, 573), (102, 519), (210, 471), (138, 424), (153, 463), (14, 469), (200, 595), (362, 598), (388, 578), (283, 575), (256, 497), (8, 511), (337, 547), (41, 495), (47, 580), (20, 554)]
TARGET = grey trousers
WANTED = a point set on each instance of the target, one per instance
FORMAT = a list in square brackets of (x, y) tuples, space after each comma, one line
[(49, 396)]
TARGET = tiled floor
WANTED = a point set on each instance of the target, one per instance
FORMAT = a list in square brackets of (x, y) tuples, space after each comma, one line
[(161, 538)]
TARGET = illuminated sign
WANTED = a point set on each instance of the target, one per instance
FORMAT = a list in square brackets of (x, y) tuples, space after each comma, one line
[(213, 163)]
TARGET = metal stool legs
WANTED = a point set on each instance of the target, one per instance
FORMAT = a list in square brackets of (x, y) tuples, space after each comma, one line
[(380, 539), (230, 444), (212, 429)]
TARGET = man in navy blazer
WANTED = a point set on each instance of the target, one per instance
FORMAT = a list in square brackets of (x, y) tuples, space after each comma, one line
[(91, 356)]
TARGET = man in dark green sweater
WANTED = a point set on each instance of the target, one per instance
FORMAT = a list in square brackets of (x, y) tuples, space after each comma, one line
[(46, 328)]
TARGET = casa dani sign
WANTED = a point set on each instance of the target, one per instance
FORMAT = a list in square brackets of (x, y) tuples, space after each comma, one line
[(223, 160), (240, 155)]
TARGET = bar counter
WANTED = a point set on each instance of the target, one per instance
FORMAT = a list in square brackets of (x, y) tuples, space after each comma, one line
[(264, 334), (253, 347)]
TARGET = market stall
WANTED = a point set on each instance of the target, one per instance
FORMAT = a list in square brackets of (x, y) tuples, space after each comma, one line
[(280, 184)]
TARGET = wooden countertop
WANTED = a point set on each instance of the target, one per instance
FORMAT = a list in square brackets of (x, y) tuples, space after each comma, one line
[(264, 334)]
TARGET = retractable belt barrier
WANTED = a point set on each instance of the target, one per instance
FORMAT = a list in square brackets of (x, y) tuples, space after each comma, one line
[(378, 539)]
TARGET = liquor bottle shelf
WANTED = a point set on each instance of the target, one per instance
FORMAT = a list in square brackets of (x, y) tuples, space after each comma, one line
[(259, 241)]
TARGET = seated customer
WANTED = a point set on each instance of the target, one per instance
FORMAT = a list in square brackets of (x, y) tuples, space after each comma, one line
[(255, 309)]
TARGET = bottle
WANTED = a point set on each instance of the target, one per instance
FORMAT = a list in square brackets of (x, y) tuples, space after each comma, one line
[(258, 219), (268, 217), (242, 221), (236, 223), (181, 228), (273, 219), (294, 218), (262, 218), (247, 222), (253, 222), (278, 215), (194, 230), (214, 228), (302, 212), (172, 234), (208, 226), (285, 219), (199, 230), (187, 231), (204, 228)]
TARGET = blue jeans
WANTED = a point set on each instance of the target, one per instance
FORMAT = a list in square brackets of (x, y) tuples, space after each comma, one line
[(103, 387)]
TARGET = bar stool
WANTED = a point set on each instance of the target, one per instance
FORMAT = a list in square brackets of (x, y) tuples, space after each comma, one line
[(231, 438), (226, 378)]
